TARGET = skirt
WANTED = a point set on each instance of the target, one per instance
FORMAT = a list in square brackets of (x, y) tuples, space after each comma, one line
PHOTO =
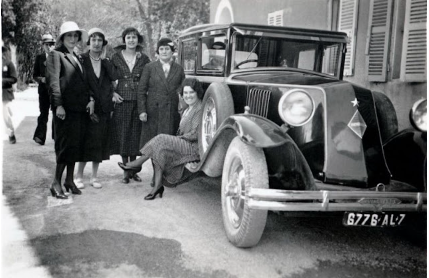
[(171, 153), (97, 139), (126, 129), (70, 136)]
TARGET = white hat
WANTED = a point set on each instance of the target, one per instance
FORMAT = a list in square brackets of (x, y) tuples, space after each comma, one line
[(47, 38), (97, 30), (70, 26)]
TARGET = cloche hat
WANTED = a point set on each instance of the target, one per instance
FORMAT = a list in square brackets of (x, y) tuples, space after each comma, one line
[(165, 42), (70, 26), (97, 30), (47, 38)]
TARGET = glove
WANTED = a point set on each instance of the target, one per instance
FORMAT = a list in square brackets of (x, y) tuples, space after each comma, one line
[(94, 118)]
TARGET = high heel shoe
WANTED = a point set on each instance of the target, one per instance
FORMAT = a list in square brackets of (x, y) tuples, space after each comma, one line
[(59, 194), (72, 187), (152, 196), (136, 178), (129, 168)]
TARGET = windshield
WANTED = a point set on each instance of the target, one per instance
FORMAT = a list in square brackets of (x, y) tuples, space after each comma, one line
[(263, 51)]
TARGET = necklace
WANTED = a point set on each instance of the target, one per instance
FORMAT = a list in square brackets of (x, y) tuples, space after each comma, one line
[(95, 59), (127, 57)]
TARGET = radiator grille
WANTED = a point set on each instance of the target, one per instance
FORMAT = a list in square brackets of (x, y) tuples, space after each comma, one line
[(258, 101)]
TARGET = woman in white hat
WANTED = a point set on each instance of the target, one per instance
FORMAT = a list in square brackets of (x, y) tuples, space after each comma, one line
[(71, 101), (101, 73)]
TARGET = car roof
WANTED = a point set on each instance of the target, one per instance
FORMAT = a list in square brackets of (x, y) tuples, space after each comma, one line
[(262, 28)]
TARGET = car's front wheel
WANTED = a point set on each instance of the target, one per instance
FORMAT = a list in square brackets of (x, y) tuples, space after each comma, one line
[(217, 106), (245, 167)]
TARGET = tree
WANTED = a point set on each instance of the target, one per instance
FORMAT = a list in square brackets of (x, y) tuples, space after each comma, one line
[(153, 18), (25, 21), (166, 18), (23, 24)]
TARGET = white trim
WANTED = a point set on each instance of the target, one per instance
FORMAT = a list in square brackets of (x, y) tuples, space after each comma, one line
[(224, 4)]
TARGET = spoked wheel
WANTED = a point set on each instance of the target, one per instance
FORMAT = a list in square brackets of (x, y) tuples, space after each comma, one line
[(209, 122), (218, 105), (245, 167)]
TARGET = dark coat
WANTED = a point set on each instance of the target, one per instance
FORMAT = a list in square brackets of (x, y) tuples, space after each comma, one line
[(126, 129), (128, 81), (159, 98), (40, 72), (68, 84), (9, 77), (101, 87), (97, 134), (69, 88)]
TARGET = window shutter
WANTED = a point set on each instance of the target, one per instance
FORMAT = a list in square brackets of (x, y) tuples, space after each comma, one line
[(378, 38), (414, 57), (276, 18), (347, 24)]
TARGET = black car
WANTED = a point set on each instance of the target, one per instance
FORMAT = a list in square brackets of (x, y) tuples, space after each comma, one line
[(286, 133)]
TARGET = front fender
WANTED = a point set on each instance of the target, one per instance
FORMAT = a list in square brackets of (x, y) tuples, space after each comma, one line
[(405, 155), (255, 130), (252, 129)]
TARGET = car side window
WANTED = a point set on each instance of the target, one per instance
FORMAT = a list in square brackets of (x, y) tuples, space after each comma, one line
[(189, 55), (213, 53)]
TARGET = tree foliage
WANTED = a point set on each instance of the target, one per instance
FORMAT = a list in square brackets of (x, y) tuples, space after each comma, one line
[(25, 21)]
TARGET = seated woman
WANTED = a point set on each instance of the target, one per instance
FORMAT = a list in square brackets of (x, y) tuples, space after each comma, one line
[(170, 153)]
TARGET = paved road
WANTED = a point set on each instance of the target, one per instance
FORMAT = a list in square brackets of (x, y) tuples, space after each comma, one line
[(113, 232)]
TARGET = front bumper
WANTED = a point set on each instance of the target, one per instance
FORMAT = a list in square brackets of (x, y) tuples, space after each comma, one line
[(323, 200)]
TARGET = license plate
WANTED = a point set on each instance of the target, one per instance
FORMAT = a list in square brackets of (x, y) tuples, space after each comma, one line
[(373, 219)]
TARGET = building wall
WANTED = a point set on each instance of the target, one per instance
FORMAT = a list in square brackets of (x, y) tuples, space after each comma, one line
[(323, 14), (402, 94), (297, 13)]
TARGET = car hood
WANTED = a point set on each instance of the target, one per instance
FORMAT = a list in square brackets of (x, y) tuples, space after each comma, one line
[(284, 77)]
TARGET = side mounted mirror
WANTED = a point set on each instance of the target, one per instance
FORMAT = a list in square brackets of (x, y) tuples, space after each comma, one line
[(418, 115)]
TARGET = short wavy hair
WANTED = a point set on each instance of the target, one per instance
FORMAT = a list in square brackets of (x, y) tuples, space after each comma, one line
[(195, 85), (132, 30)]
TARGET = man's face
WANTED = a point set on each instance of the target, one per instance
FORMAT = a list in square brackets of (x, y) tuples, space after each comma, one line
[(48, 46)]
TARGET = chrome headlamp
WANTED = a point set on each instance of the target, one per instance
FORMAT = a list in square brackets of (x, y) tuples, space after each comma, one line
[(296, 107), (418, 115)]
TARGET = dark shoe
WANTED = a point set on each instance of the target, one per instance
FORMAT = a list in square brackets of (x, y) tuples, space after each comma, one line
[(73, 188), (125, 180), (137, 178), (57, 193), (129, 168), (39, 141), (12, 139), (152, 196)]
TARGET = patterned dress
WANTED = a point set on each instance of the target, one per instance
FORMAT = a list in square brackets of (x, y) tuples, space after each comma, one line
[(127, 126), (171, 153)]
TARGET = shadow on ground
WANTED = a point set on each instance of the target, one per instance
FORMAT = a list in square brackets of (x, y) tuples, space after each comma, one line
[(96, 253)]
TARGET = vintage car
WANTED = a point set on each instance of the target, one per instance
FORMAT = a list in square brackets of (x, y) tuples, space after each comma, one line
[(286, 133)]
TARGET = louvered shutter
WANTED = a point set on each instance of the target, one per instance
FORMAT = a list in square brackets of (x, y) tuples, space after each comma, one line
[(378, 38), (276, 18), (347, 24), (414, 57)]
